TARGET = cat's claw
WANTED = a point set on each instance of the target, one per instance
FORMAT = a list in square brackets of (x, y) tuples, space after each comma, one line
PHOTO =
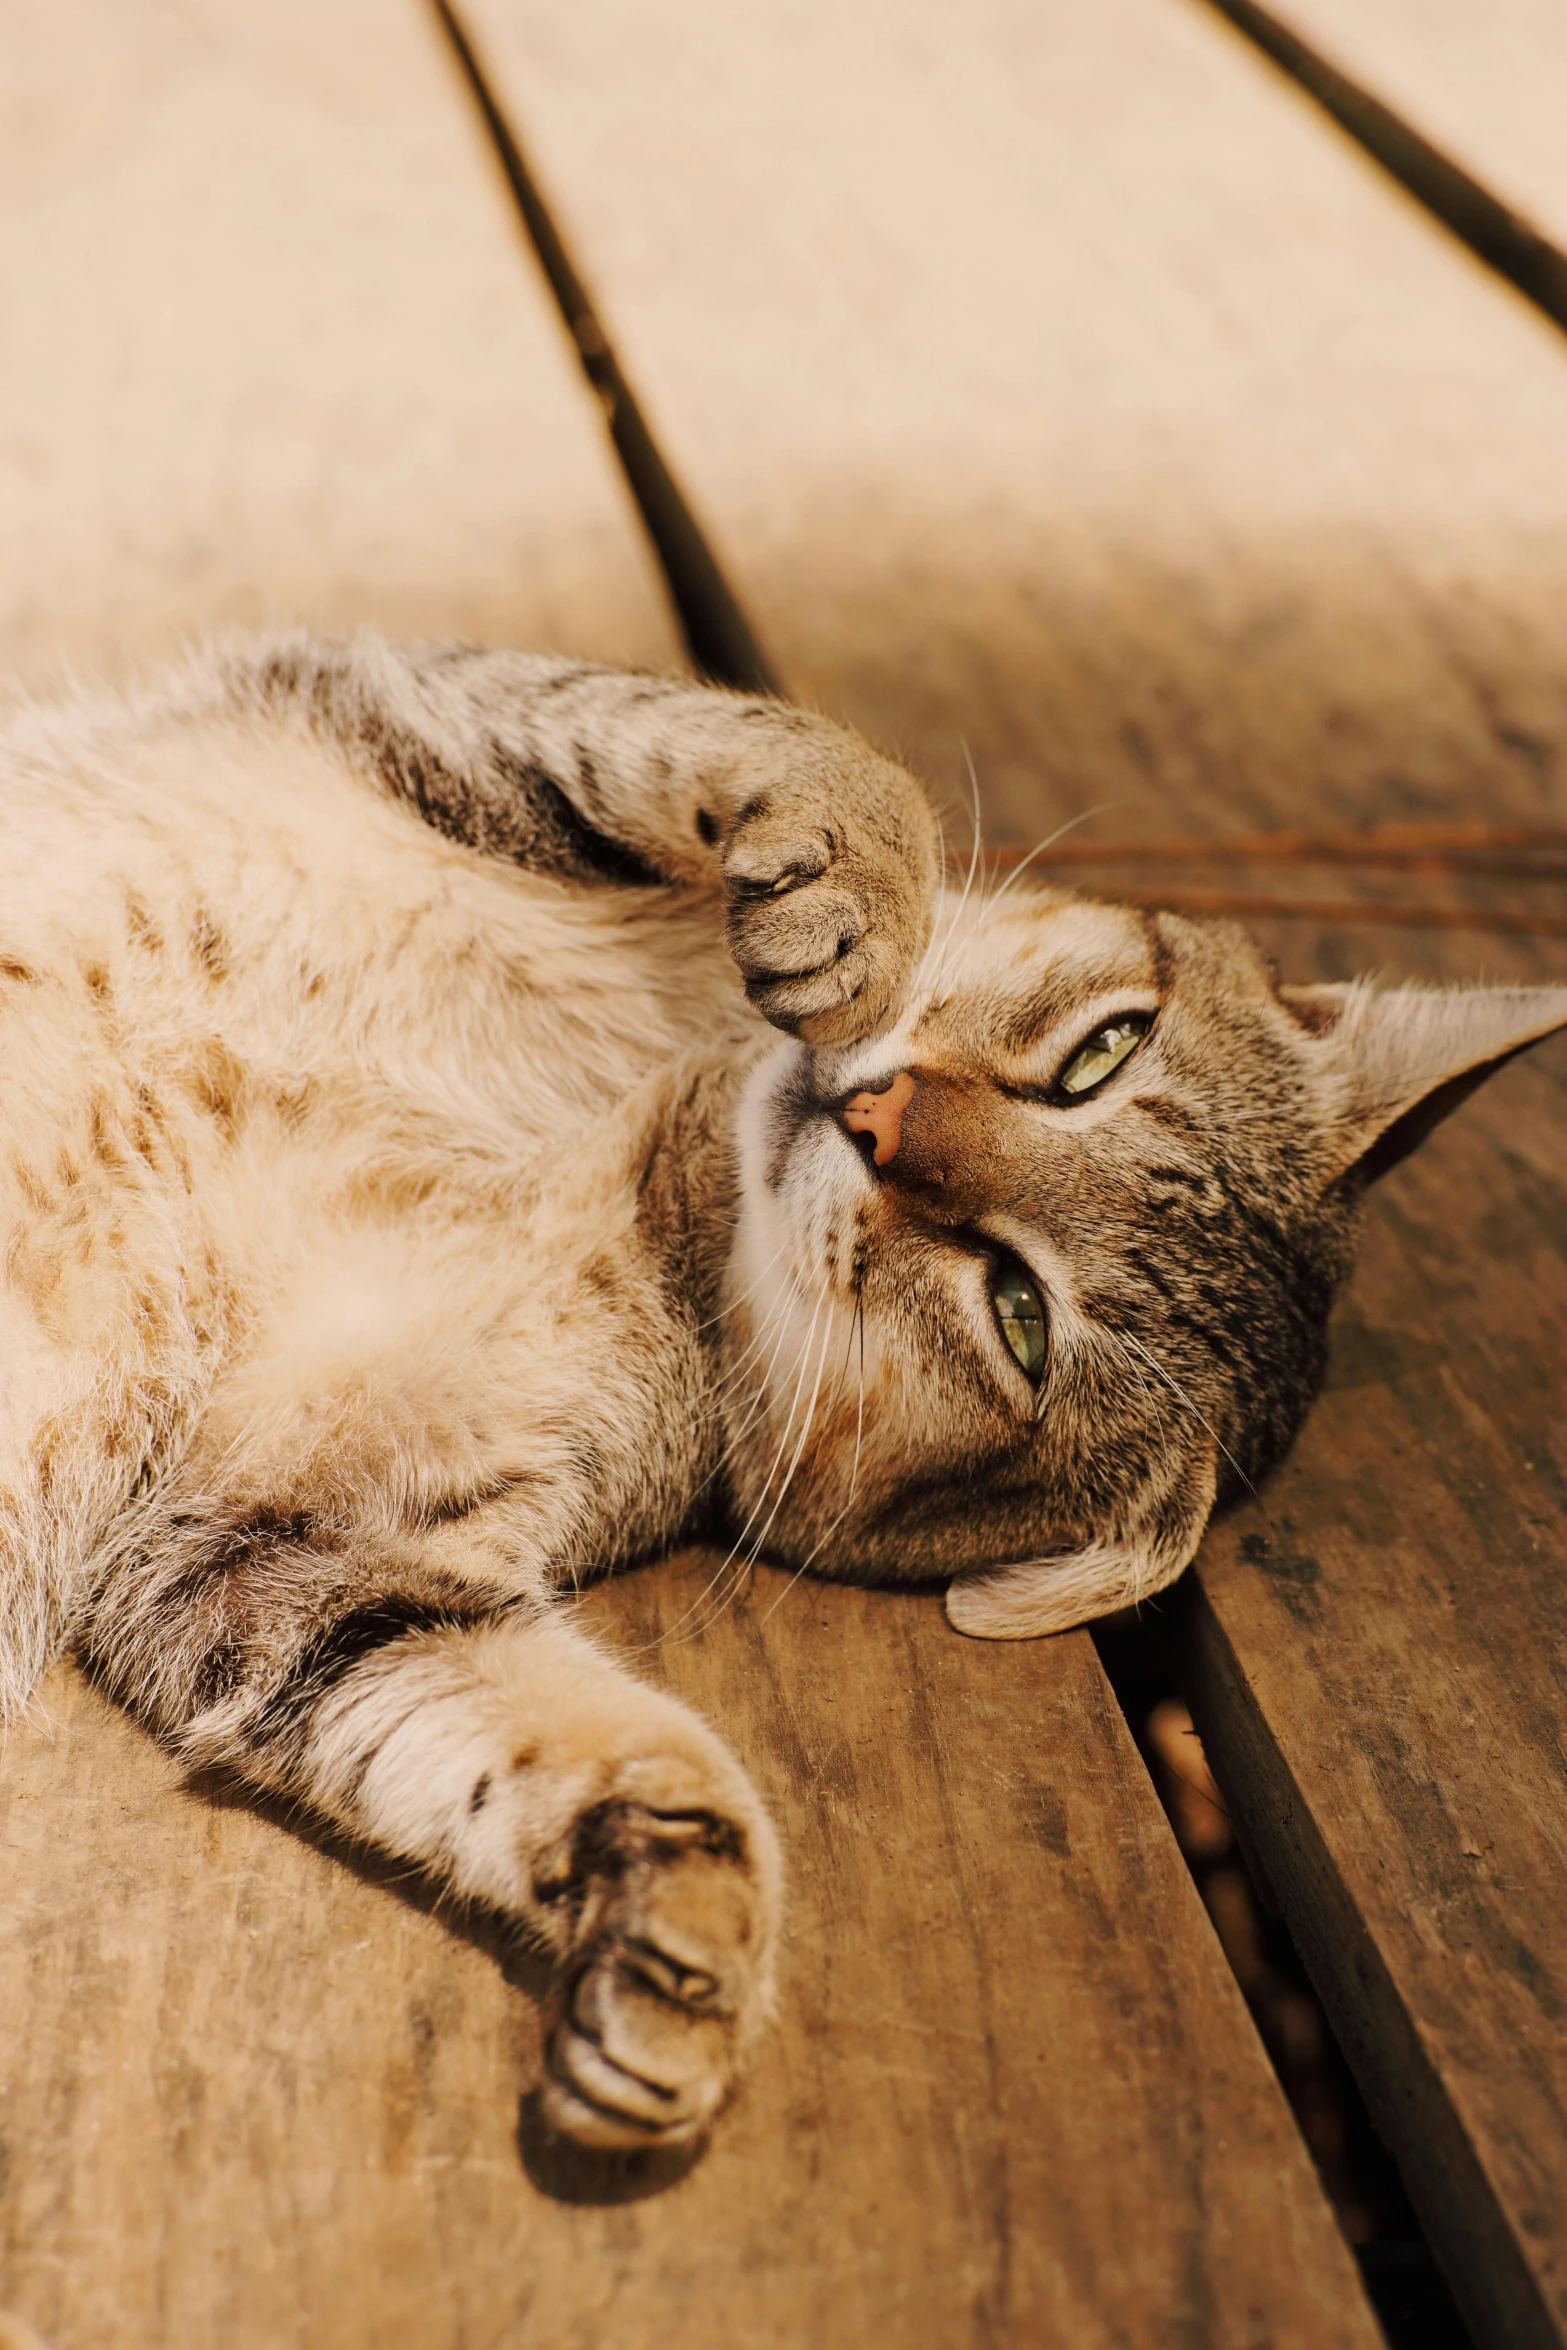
[(666, 1980)]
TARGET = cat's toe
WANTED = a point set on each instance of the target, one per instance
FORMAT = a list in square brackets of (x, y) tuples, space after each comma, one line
[(812, 968), (670, 1978), (625, 2068), (827, 922)]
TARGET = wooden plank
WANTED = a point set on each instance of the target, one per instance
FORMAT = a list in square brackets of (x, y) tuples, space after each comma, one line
[(1379, 1645), (1054, 587), (261, 2097), (274, 352), (1013, 2097), (1058, 380), (1142, 436), (1487, 85)]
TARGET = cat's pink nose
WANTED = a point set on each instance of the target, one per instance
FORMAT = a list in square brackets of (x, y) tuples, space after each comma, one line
[(881, 1115)]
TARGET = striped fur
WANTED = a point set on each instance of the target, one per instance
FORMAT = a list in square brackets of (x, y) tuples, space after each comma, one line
[(411, 1209)]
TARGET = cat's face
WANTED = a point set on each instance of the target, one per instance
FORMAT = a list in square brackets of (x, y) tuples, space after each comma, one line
[(1033, 1278)]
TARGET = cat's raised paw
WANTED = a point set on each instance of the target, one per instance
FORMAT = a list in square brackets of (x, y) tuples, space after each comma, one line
[(829, 899), (668, 1974)]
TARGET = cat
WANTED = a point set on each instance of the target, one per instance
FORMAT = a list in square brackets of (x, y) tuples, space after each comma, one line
[(470, 1120)]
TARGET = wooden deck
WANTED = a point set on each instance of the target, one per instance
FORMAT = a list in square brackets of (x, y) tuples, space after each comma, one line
[(1064, 392)]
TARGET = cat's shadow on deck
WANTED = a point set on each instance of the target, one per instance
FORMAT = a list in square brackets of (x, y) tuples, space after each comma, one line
[(556, 2166)]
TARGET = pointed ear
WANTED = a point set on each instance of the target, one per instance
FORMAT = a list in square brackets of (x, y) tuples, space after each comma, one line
[(1053, 1594), (1397, 1061)]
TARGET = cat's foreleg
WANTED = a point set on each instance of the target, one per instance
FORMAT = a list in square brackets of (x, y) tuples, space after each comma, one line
[(530, 1773), (825, 853), (482, 1738)]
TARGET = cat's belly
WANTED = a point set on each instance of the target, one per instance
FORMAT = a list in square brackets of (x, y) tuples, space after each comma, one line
[(247, 907)]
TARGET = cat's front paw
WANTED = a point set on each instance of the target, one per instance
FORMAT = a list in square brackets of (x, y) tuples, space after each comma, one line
[(670, 1972), (831, 876)]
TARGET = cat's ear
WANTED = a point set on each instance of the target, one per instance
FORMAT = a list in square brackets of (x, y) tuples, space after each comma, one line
[(1054, 1593), (1396, 1061)]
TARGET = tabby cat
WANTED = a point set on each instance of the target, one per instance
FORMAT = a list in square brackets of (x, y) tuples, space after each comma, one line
[(411, 1207)]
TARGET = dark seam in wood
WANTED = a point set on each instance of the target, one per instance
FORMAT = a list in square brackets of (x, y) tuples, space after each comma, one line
[(1507, 243), (717, 634), (1445, 2174)]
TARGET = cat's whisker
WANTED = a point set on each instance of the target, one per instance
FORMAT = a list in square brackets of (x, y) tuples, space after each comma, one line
[(1200, 1417), (805, 1430), (826, 1536), (744, 1296), (1105, 808), (1147, 1393), (774, 1316), (804, 1437), (739, 1542), (776, 1320), (735, 1434), (973, 785), (973, 945), (728, 1380), (714, 1405), (968, 884), (816, 1548), (707, 1616)]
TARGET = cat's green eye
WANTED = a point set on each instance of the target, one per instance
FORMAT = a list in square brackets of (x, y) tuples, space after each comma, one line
[(1103, 1052), (1020, 1313)]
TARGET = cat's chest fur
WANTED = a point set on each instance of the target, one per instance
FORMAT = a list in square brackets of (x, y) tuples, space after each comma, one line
[(306, 1102), (249, 890), (398, 1221)]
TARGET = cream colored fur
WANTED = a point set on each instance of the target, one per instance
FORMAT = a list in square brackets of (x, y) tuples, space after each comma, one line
[(409, 1211)]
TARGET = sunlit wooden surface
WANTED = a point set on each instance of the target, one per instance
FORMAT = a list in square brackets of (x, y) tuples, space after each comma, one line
[(1488, 84), (1066, 395), (269, 352), (1013, 2095), (1062, 385)]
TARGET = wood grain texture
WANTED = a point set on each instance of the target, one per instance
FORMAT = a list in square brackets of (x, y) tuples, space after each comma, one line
[(1381, 1654), (288, 361), (1487, 84), (1013, 2097), (274, 352), (1066, 387), (1061, 384), (1056, 382)]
